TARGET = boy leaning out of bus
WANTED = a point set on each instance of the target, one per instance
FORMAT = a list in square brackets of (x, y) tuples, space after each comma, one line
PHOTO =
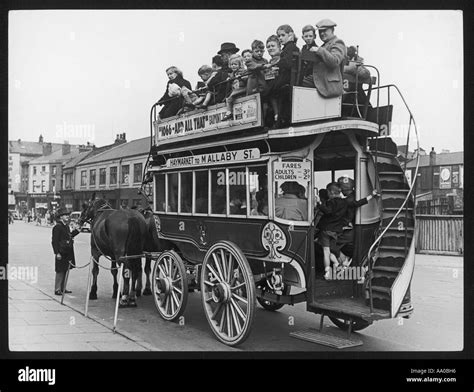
[(332, 213), (238, 82)]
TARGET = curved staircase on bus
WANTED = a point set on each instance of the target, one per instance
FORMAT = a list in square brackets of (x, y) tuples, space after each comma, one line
[(394, 246)]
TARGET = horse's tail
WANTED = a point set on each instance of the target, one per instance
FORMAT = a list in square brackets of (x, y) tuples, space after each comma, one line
[(134, 241)]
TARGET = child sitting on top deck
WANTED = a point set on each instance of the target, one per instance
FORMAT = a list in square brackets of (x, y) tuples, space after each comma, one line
[(194, 99), (216, 84), (238, 82)]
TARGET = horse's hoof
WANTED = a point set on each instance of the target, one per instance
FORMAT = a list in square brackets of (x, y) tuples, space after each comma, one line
[(147, 291), (123, 303), (92, 296)]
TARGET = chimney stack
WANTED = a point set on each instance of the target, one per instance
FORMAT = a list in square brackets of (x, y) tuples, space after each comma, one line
[(432, 157), (66, 148), (47, 149), (40, 140)]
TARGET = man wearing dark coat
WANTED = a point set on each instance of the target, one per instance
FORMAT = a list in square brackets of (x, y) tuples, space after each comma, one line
[(63, 247)]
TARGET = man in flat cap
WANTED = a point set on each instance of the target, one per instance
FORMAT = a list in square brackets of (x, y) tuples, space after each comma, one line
[(328, 62)]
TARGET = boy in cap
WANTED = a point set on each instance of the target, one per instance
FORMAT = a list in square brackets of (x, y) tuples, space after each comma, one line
[(63, 247), (328, 61)]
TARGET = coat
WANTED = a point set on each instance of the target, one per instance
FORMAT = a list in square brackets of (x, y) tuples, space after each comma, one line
[(171, 107), (217, 87), (284, 65), (328, 67), (256, 80), (63, 243)]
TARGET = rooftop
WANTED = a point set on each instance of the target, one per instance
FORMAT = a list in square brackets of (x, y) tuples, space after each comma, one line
[(132, 148), (56, 156), (450, 158), (30, 148)]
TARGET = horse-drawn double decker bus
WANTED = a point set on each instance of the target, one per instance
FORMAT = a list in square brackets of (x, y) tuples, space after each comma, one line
[(218, 191)]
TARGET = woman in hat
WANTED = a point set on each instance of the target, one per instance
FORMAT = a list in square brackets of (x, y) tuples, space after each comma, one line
[(63, 247), (290, 206)]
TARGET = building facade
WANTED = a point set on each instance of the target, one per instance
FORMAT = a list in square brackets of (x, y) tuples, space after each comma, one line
[(440, 179), (115, 174)]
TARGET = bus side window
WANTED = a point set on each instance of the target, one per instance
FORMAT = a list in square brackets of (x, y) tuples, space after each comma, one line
[(218, 191), (160, 192), (238, 191), (258, 190), (186, 192), (172, 192), (202, 192)]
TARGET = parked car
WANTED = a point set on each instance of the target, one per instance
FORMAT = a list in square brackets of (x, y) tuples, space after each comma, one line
[(75, 215)]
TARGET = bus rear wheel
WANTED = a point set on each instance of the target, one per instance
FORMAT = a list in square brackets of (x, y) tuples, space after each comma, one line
[(357, 325), (228, 293)]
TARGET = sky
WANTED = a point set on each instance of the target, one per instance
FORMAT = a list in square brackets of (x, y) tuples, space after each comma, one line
[(89, 75)]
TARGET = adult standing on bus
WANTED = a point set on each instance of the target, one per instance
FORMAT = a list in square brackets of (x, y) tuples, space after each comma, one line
[(328, 62), (63, 247)]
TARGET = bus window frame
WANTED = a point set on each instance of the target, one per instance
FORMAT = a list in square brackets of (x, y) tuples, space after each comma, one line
[(180, 192), (309, 192), (265, 162)]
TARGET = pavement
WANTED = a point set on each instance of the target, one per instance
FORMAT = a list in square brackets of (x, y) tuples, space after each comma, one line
[(38, 322)]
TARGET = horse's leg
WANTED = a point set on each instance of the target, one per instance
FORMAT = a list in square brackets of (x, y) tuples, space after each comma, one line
[(95, 273), (136, 269), (114, 272), (126, 287), (147, 290), (138, 277)]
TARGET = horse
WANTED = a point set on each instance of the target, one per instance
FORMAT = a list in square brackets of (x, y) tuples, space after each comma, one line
[(115, 234)]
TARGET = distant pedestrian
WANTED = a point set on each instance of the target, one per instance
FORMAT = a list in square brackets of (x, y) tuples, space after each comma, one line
[(63, 247)]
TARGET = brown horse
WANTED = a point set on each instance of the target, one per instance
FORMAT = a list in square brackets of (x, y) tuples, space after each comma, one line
[(115, 234)]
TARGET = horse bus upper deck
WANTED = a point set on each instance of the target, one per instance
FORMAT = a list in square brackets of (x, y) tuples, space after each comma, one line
[(218, 187)]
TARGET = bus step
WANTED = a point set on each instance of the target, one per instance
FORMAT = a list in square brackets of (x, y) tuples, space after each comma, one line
[(326, 338)]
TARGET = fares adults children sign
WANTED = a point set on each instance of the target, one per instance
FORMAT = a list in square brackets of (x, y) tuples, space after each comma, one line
[(246, 111), (292, 171)]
